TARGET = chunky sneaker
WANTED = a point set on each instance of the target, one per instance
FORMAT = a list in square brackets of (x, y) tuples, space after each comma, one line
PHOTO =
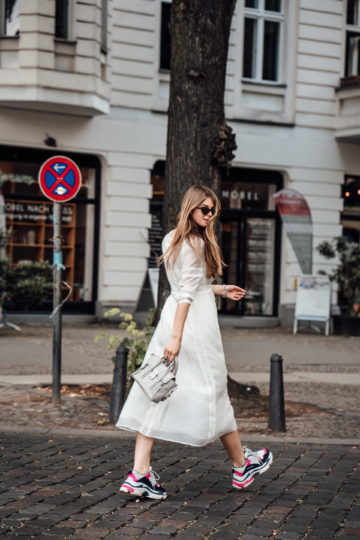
[(256, 463), (260, 453), (144, 485)]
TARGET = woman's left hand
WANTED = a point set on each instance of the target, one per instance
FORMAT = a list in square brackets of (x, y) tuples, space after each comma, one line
[(235, 293)]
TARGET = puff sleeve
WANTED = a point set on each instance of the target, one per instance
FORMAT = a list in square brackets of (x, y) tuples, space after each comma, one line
[(192, 272)]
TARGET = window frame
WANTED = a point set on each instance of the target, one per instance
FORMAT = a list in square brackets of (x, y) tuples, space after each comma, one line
[(352, 31), (260, 16), (2, 19), (104, 26), (163, 69), (3, 33), (70, 22), (64, 4)]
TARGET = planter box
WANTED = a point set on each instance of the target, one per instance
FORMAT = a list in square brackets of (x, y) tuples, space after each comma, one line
[(346, 325)]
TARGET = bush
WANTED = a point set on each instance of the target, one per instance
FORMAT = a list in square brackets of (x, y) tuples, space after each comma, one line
[(347, 272), (25, 286), (135, 340)]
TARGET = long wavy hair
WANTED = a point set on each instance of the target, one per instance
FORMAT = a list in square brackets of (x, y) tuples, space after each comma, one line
[(187, 230)]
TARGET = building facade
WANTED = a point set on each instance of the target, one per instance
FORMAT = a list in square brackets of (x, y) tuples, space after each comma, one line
[(90, 80)]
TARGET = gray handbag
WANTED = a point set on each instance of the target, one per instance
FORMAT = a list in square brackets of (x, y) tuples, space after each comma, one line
[(157, 377)]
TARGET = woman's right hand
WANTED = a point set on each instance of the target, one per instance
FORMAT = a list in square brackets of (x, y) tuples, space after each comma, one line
[(172, 348)]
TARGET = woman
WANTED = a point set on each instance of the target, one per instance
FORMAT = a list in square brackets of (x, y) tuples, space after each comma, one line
[(199, 411)]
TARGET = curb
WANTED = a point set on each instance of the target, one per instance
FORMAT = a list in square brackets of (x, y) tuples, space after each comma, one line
[(244, 377), (122, 434)]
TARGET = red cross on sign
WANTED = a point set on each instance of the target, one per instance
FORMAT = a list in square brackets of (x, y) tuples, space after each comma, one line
[(59, 179)]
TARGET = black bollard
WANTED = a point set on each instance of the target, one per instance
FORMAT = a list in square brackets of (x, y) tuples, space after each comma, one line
[(119, 383), (277, 408)]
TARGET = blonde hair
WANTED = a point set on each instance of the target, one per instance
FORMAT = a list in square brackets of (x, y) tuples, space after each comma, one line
[(187, 230)]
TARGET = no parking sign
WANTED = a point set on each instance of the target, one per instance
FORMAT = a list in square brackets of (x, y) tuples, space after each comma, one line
[(59, 179)]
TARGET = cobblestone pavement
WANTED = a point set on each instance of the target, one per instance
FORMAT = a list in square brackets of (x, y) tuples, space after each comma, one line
[(67, 488)]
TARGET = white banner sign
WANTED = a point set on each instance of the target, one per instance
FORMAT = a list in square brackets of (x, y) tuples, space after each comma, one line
[(313, 298)]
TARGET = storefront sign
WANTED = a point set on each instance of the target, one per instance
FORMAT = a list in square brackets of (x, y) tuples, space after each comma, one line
[(35, 212), (59, 179), (296, 216), (240, 194)]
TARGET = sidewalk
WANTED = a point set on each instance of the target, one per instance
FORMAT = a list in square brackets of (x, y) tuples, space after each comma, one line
[(323, 373), (67, 488)]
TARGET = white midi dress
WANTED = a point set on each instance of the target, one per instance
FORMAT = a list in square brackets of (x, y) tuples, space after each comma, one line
[(199, 411)]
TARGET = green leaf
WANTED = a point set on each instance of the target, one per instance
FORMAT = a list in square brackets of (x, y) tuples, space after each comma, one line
[(112, 312), (135, 339)]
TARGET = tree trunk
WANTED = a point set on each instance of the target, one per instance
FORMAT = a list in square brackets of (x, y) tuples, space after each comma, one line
[(198, 139)]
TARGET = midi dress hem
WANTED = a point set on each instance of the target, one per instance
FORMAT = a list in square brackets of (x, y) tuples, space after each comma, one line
[(164, 437)]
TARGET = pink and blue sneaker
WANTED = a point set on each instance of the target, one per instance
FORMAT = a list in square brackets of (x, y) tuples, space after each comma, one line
[(144, 485), (256, 463)]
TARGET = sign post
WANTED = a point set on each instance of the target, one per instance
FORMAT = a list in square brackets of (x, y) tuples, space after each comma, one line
[(57, 324), (60, 181)]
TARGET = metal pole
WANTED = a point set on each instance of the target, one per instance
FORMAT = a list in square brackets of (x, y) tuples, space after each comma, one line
[(119, 383), (57, 267), (277, 407)]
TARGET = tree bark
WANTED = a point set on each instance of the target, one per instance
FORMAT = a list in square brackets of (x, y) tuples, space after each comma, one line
[(198, 140)]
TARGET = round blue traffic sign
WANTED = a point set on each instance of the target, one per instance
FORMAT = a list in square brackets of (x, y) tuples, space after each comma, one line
[(59, 179)]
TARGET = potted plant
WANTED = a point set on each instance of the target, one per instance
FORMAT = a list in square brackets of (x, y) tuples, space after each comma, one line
[(347, 276)]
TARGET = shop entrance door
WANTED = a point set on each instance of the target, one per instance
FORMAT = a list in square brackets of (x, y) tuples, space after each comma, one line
[(250, 247)]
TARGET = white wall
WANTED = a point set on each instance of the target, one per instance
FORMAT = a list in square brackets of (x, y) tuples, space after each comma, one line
[(297, 139)]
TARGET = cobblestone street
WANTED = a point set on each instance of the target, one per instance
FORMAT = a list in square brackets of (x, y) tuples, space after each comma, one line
[(63, 482), (68, 488)]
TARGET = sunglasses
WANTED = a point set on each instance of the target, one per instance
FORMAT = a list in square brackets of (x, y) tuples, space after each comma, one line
[(205, 210)]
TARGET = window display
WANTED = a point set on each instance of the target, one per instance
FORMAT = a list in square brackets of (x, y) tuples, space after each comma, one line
[(29, 225), (250, 236)]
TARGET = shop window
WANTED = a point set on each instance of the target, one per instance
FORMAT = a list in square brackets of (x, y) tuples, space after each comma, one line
[(165, 39), (250, 235), (351, 192), (250, 239), (9, 18), (29, 226), (62, 19), (350, 218), (263, 31)]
